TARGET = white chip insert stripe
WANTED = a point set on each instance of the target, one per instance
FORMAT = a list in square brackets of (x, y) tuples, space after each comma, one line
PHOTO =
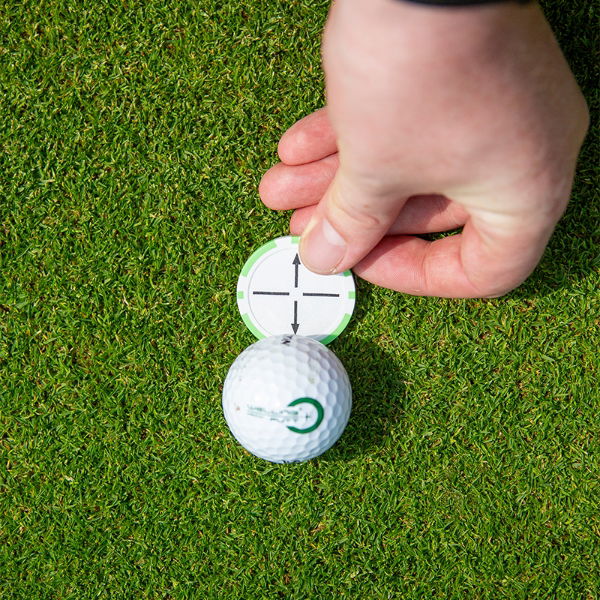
[(277, 294)]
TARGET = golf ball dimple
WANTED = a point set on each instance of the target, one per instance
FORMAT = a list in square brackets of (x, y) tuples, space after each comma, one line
[(287, 398)]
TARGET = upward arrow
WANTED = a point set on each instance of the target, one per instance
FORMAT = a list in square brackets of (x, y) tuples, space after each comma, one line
[(296, 264)]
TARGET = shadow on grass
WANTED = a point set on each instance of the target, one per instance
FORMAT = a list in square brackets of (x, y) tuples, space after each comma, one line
[(378, 400)]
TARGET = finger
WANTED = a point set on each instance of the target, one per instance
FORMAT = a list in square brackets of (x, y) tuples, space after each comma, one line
[(284, 187), (310, 139), (429, 214), (347, 224), (421, 214), (473, 264)]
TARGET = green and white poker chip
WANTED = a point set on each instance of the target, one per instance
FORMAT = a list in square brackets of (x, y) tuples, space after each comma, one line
[(277, 294)]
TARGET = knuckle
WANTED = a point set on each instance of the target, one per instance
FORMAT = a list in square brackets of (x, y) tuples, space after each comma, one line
[(365, 212), (360, 216)]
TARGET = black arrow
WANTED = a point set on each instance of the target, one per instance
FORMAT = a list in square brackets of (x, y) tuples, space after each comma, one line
[(295, 324), (296, 264)]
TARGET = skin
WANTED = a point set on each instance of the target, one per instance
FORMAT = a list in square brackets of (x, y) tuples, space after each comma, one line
[(436, 119)]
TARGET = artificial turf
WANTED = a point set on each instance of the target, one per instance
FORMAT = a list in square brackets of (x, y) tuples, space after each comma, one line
[(132, 139)]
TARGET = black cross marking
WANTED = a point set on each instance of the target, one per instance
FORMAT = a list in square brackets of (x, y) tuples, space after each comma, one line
[(296, 263)]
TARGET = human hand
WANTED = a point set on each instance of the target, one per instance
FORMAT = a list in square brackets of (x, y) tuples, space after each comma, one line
[(436, 119)]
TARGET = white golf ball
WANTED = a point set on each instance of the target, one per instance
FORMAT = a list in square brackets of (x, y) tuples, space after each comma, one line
[(287, 398)]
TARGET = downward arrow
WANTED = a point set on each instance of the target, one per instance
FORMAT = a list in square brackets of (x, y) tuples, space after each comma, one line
[(295, 324), (296, 264)]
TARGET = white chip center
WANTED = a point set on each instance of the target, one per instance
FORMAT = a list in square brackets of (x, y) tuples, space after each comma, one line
[(277, 294)]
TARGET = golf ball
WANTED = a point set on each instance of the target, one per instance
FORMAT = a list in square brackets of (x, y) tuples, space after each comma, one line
[(287, 398)]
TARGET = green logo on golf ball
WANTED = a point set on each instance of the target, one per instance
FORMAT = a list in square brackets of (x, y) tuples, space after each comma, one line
[(293, 414), (318, 408)]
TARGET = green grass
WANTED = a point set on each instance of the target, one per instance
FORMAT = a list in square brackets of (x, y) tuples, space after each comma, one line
[(133, 137)]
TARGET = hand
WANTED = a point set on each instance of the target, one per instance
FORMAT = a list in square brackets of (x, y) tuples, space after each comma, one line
[(436, 119)]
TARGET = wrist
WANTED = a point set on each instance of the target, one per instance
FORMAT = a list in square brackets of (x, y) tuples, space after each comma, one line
[(435, 30)]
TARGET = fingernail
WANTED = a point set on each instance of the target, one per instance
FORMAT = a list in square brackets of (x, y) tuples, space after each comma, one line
[(322, 248)]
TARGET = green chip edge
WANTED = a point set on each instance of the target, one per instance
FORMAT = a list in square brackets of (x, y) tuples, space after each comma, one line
[(256, 255), (252, 327), (338, 330)]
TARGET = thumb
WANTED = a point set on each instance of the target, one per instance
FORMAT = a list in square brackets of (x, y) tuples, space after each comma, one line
[(348, 223)]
